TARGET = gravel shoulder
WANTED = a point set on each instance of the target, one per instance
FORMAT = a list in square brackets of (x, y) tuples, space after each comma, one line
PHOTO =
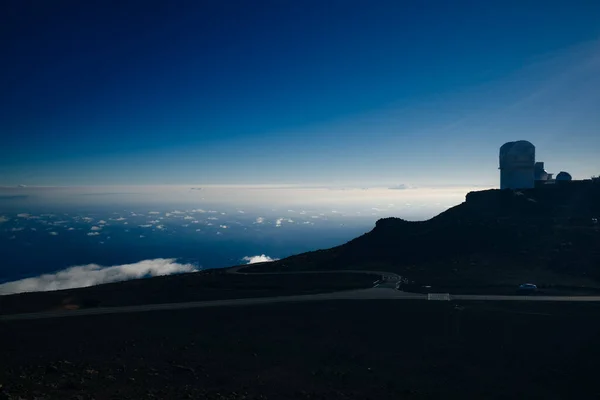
[(337, 349)]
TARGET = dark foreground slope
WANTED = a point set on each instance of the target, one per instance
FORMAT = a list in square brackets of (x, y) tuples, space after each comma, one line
[(549, 235), (199, 286), (333, 350)]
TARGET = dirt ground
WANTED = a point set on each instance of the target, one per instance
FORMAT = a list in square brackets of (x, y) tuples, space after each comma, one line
[(343, 349)]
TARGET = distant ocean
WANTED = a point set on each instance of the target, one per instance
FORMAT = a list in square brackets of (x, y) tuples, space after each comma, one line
[(86, 237)]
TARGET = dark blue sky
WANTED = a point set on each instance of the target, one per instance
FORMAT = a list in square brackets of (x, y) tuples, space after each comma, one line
[(424, 92)]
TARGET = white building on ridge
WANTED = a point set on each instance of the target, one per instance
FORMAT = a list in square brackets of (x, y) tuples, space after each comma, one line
[(517, 165)]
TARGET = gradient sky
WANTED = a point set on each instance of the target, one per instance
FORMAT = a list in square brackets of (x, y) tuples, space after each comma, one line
[(298, 92)]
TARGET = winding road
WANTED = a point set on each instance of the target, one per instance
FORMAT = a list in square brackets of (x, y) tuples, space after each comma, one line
[(383, 289)]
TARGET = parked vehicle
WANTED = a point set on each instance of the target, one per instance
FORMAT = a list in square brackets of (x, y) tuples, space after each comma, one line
[(527, 288)]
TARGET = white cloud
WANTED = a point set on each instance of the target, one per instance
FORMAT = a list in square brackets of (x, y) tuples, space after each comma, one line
[(53, 233), (401, 186), (71, 229), (87, 219), (223, 226), (93, 233), (258, 259), (16, 229), (199, 210), (93, 274), (23, 215), (279, 221), (118, 219), (260, 220), (153, 213), (3, 219), (212, 218), (101, 222), (95, 228), (146, 226), (188, 217)]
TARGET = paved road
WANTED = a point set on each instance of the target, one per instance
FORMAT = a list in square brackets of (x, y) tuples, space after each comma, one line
[(383, 275), (360, 294), (383, 289), (469, 297)]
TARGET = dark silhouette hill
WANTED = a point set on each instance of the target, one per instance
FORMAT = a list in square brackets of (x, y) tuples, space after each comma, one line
[(549, 235)]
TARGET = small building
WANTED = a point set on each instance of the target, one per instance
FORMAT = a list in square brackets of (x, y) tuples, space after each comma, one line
[(564, 176)]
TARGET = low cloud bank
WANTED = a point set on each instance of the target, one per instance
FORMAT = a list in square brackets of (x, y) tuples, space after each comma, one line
[(94, 274), (401, 186), (258, 259)]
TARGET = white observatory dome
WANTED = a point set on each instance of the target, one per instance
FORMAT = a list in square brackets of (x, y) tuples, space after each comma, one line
[(564, 176), (517, 164)]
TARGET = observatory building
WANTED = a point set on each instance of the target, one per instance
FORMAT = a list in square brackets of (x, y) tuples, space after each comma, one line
[(519, 170), (540, 174), (563, 176), (517, 165)]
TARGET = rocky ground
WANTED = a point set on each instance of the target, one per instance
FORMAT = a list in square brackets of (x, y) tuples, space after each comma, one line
[(324, 350)]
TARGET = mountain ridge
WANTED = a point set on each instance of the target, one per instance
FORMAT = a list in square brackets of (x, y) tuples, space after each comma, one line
[(547, 234)]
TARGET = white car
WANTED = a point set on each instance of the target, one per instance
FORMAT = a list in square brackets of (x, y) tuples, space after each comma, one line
[(527, 287)]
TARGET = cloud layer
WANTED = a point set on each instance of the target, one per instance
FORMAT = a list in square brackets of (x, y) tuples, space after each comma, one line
[(258, 259), (94, 274)]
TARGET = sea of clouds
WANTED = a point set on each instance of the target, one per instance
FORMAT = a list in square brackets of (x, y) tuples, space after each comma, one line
[(94, 274)]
